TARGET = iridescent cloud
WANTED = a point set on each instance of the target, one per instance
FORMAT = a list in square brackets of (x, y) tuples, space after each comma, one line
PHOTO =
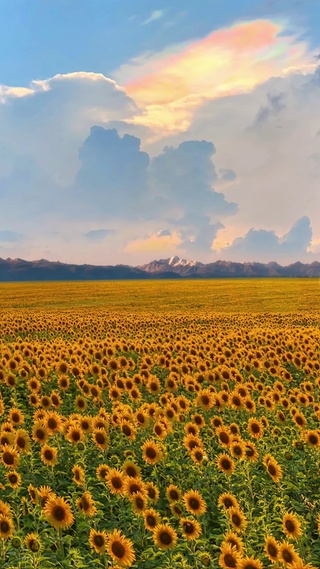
[(168, 87)]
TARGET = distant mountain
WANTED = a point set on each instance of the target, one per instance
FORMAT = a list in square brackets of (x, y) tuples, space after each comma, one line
[(223, 269), (171, 268)]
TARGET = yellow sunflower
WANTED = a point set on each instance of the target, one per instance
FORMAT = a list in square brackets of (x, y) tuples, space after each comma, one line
[(229, 557), (120, 549), (272, 548), (190, 528), (151, 452), (194, 503), (86, 505), (58, 513), (98, 540), (165, 537), (151, 519), (291, 526), (6, 527)]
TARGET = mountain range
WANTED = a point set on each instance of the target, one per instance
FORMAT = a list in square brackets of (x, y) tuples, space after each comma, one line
[(171, 268)]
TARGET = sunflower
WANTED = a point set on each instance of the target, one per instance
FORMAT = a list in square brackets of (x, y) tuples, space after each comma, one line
[(58, 513), (127, 429), (194, 503), (52, 422), (273, 468), (191, 442), (300, 420), (6, 527), (100, 438), (227, 501), (32, 542), (85, 424), (165, 537), (49, 455), (237, 449), (151, 452), (120, 549), (64, 382), (151, 519), (251, 452), (249, 563), (198, 455), (226, 464), (255, 428), (291, 526), (139, 502), (16, 416), (10, 457), (32, 493), (152, 492), (224, 436), (229, 557), (86, 505), (115, 480), (312, 438), (102, 471), (75, 435), (14, 479), (6, 438), (98, 540), (237, 519), (272, 548), (40, 432), (22, 441), (287, 554), (43, 495), (173, 493), (190, 528), (234, 540), (133, 486), (130, 468), (5, 509), (78, 475)]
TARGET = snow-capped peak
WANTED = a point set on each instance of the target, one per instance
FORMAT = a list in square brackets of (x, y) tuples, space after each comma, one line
[(176, 262)]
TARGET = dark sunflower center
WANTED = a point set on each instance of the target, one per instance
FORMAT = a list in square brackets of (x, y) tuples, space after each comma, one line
[(290, 526), (225, 463), (98, 540), (151, 453), (165, 538), (313, 439), (118, 550), (255, 428), (8, 458), (116, 482), (230, 560), (287, 556), (224, 437), (151, 520), (131, 471), (139, 503), (188, 528), (21, 442), (4, 527), (76, 436), (126, 430), (100, 438), (85, 504), (40, 434), (48, 454), (59, 513), (174, 495), (272, 550), (228, 503), (236, 520), (272, 470), (194, 503), (205, 399), (13, 478), (52, 423)]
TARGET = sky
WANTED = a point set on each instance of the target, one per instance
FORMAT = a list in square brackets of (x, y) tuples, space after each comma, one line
[(133, 131)]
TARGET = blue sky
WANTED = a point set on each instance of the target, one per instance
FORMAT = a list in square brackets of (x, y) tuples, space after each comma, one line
[(203, 105)]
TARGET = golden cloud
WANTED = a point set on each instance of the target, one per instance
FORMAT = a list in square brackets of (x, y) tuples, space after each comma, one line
[(155, 244)]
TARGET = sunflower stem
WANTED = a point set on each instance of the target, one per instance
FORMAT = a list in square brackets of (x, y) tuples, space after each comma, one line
[(60, 543)]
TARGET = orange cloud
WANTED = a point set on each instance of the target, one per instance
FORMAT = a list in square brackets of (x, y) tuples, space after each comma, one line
[(165, 244), (227, 62)]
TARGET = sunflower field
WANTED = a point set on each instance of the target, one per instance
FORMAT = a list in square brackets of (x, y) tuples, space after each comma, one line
[(160, 425)]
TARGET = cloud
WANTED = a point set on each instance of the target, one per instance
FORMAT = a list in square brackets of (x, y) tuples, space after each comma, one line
[(169, 86), (112, 179), (266, 246), (155, 15), (155, 244), (98, 234), (274, 106)]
